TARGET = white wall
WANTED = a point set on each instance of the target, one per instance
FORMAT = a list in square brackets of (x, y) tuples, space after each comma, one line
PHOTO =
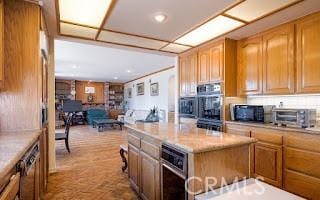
[(146, 101)]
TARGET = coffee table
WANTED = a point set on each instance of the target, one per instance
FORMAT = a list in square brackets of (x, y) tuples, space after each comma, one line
[(102, 123)]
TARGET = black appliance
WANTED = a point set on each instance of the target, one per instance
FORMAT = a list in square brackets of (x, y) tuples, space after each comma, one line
[(174, 173), (209, 106), (30, 179), (72, 106), (253, 113), (188, 107)]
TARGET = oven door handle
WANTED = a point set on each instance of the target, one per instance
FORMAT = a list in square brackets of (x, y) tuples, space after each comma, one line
[(173, 170)]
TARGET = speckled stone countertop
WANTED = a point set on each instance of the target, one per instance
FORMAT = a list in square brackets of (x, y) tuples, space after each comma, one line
[(13, 145), (190, 139), (315, 130)]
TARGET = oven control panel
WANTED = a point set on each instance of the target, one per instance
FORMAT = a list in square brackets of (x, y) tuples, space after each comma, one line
[(174, 157)]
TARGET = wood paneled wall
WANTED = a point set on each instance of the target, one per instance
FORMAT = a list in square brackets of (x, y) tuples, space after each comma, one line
[(98, 96), (20, 102)]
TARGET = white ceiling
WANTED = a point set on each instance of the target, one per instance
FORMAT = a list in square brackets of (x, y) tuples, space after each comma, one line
[(103, 64), (136, 17)]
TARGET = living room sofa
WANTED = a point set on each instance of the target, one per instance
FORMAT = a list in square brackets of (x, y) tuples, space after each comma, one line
[(93, 114)]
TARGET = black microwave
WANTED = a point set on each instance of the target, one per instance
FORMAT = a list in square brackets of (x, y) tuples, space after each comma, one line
[(251, 113), (188, 107)]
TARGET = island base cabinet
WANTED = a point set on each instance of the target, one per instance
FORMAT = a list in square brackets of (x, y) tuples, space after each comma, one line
[(150, 177), (134, 166)]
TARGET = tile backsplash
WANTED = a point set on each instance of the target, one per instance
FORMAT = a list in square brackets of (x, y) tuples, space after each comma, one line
[(289, 101)]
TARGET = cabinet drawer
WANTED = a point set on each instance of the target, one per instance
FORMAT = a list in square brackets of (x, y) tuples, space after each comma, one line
[(151, 149), (303, 141), (134, 140), (267, 135), (238, 130), (302, 161), (302, 185), (12, 189)]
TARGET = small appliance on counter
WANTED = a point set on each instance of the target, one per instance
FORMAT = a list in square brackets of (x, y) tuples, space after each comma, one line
[(209, 100), (251, 113), (301, 118), (188, 107)]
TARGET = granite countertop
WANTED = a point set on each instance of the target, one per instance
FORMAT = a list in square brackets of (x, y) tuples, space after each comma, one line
[(189, 138), (315, 130), (13, 145)]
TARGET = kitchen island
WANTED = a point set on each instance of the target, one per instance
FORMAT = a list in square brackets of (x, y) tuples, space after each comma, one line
[(215, 156)]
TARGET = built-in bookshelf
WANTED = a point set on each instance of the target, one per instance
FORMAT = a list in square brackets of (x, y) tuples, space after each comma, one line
[(116, 98)]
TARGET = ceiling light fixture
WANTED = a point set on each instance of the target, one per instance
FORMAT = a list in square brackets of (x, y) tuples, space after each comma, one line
[(115, 78), (211, 29), (74, 66), (129, 71), (160, 17), (84, 12)]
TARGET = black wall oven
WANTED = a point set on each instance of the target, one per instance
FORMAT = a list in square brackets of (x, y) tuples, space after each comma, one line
[(188, 107), (209, 101)]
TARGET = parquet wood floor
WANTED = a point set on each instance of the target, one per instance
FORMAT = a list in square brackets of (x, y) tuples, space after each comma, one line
[(93, 168)]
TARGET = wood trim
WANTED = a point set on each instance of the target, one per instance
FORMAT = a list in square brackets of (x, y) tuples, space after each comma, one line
[(152, 73), (57, 15), (77, 24), (106, 16), (235, 18)]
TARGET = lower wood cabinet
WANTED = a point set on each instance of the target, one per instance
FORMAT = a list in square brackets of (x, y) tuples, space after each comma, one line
[(144, 166), (134, 166), (150, 177), (267, 163)]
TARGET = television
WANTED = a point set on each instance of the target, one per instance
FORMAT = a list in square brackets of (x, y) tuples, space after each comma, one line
[(72, 106)]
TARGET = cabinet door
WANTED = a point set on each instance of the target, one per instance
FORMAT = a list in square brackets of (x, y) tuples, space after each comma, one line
[(204, 66), (216, 63), (133, 166), (250, 67), (278, 64), (267, 163), (150, 177), (182, 76), (308, 55), (1, 44), (192, 74)]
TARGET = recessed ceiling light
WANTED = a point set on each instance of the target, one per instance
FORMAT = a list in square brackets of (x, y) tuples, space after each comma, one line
[(72, 74), (115, 78), (74, 66), (160, 17), (211, 29), (129, 71), (84, 12)]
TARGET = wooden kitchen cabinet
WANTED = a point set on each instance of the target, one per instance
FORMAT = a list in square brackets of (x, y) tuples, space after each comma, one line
[(267, 163), (278, 61), (237, 130), (204, 57), (211, 63), (188, 74), (308, 55), (1, 44), (134, 167), (250, 66), (150, 177)]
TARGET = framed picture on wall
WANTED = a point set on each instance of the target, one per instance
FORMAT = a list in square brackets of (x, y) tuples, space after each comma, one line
[(129, 92), (140, 89), (154, 89)]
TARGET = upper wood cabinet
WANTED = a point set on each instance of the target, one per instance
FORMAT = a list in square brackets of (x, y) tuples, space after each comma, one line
[(211, 63), (188, 74), (250, 66), (1, 44), (204, 66), (308, 55), (278, 61)]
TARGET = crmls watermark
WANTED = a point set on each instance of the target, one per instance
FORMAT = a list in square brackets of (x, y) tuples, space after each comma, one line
[(211, 184)]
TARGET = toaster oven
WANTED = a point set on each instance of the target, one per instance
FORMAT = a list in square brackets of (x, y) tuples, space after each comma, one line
[(303, 118)]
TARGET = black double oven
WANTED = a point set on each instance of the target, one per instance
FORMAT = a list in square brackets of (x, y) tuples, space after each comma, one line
[(206, 106)]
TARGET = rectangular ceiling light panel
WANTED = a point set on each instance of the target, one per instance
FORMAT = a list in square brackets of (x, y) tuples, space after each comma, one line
[(119, 38), (80, 31), (211, 29), (175, 48), (250, 10), (85, 12)]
